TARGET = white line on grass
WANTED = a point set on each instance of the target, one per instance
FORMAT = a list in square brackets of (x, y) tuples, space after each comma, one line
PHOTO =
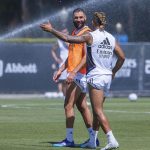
[(112, 111), (51, 106), (13, 106), (126, 112)]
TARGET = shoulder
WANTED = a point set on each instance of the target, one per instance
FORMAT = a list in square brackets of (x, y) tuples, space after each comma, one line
[(110, 35), (86, 29), (93, 33)]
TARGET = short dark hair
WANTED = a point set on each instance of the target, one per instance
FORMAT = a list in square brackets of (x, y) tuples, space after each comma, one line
[(78, 10)]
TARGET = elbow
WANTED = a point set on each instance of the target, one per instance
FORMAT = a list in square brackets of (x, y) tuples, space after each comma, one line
[(65, 39), (122, 59), (69, 40)]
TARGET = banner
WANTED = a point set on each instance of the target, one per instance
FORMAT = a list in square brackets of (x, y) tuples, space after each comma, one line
[(29, 68), (146, 68), (26, 68), (127, 77)]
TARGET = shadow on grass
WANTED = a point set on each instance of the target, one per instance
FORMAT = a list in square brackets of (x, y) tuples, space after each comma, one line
[(50, 145), (52, 142)]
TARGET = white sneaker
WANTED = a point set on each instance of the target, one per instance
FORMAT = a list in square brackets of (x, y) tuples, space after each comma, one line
[(111, 146)]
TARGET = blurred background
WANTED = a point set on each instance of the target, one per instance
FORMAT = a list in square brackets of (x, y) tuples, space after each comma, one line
[(131, 14), (26, 64)]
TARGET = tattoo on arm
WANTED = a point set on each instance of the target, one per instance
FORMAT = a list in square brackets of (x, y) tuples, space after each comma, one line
[(60, 35), (71, 39)]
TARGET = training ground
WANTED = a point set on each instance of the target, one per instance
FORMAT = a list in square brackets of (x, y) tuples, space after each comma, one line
[(34, 123)]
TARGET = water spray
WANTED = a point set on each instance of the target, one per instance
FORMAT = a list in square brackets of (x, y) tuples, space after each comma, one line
[(52, 17)]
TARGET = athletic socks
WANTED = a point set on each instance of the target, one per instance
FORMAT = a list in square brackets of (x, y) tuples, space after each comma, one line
[(110, 137), (69, 134), (93, 137), (92, 134), (90, 130)]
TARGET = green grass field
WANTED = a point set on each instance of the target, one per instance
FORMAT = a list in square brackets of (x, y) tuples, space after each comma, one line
[(32, 124)]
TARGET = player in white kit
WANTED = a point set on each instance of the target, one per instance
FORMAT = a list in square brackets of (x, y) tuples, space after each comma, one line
[(101, 48), (60, 59)]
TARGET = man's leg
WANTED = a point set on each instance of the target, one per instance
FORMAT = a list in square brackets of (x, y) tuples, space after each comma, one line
[(64, 88), (59, 87), (84, 110), (99, 118), (72, 94), (87, 117)]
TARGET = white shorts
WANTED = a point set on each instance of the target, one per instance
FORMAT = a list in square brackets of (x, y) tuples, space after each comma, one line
[(63, 75), (100, 82), (80, 80)]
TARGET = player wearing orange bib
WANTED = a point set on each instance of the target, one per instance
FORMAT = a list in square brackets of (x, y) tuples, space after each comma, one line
[(76, 79), (75, 56)]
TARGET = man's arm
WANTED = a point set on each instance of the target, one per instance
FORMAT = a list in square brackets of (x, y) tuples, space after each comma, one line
[(60, 70), (120, 59), (54, 55), (64, 66), (67, 38)]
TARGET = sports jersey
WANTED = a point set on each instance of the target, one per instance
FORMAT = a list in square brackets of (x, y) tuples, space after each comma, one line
[(63, 48), (76, 52), (100, 53)]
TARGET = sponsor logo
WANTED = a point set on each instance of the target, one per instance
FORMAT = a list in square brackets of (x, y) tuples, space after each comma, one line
[(105, 49), (17, 68), (105, 44)]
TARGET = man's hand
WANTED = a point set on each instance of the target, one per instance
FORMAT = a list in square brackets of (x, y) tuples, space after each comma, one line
[(59, 60), (46, 27), (70, 77), (57, 75)]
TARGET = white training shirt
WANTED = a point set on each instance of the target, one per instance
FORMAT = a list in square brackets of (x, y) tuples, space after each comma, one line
[(63, 47), (100, 53)]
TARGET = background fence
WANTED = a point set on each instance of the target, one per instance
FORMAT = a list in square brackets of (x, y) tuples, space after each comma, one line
[(28, 68)]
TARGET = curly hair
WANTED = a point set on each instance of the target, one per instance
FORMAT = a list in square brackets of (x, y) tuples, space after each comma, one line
[(100, 18)]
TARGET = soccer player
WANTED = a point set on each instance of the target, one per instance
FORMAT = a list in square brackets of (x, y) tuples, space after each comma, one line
[(101, 48), (76, 87), (60, 59)]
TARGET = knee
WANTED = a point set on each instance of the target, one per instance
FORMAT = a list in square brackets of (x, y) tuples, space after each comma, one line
[(68, 107), (98, 114), (81, 108)]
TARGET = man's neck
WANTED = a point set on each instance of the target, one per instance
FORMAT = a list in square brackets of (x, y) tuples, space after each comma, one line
[(78, 30)]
